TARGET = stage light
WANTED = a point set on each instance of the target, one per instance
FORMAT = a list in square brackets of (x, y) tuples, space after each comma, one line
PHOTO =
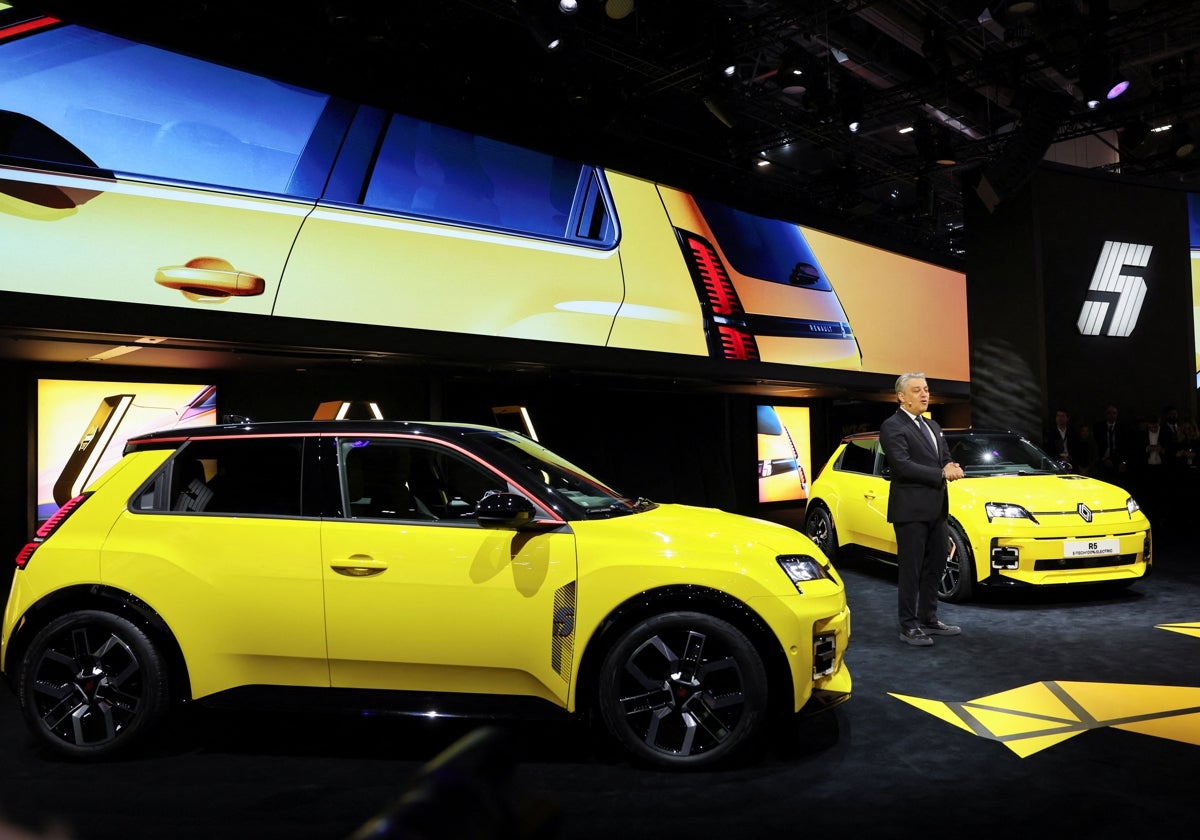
[(568, 7), (1100, 80)]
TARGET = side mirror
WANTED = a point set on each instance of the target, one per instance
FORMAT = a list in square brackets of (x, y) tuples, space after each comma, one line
[(504, 510)]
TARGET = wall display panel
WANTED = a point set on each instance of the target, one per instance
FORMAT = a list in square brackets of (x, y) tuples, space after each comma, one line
[(1117, 290), (784, 453), (251, 197), (1194, 242), (82, 427)]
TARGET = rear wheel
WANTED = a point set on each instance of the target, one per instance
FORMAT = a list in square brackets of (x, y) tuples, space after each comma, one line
[(958, 578), (91, 683), (683, 690), (819, 527)]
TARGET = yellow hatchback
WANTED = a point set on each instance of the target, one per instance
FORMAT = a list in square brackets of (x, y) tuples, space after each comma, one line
[(418, 568), (1017, 518)]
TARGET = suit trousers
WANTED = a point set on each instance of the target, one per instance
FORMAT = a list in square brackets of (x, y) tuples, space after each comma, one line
[(921, 549)]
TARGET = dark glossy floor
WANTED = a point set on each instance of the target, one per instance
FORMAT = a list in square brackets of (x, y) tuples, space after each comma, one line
[(1109, 729)]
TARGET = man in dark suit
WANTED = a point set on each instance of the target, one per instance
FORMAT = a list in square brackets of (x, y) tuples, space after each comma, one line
[(1063, 442), (918, 506)]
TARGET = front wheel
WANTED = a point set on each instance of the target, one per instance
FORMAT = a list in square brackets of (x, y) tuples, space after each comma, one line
[(91, 683), (683, 690), (958, 577), (819, 527)]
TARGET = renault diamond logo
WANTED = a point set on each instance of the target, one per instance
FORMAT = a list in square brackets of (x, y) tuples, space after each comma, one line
[(1085, 512), (1114, 299)]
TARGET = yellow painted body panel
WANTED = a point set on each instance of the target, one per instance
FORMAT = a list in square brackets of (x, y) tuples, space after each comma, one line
[(370, 267), (621, 558), (434, 607), (113, 246), (661, 310)]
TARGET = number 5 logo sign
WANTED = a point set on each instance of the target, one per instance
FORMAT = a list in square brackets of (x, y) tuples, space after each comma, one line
[(1114, 299)]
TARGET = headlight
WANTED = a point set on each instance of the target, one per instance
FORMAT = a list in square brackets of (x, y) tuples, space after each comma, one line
[(801, 568), (1003, 510), (1131, 506)]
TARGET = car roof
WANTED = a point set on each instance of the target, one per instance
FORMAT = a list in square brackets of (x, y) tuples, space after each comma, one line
[(948, 432), (428, 428)]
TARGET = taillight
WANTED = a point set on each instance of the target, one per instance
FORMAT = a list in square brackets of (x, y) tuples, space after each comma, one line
[(724, 316), (26, 26), (48, 528)]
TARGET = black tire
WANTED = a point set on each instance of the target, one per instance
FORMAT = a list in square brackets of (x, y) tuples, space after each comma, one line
[(958, 578), (683, 690), (91, 684), (819, 527)]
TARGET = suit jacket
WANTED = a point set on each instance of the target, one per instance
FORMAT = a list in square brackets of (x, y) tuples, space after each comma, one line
[(1053, 443), (918, 489)]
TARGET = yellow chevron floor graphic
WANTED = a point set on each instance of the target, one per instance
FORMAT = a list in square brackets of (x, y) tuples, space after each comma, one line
[(1039, 715)]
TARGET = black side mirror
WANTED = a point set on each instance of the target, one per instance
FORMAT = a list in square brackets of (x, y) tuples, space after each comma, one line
[(504, 510)]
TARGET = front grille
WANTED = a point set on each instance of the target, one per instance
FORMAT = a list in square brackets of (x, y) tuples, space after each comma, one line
[(1084, 563), (824, 654)]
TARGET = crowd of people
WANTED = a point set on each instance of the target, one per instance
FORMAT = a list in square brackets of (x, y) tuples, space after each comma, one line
[(1156, 457)]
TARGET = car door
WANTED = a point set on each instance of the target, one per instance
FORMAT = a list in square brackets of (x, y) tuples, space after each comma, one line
[(420, 597), (427, 227), (861, 516), (132, 174), (219, 546)]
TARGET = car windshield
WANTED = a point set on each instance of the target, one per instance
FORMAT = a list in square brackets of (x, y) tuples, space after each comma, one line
[(982, 454), (561, 478)]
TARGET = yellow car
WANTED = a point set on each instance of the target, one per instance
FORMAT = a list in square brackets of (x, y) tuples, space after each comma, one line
[(137, 175), (1017, 518), (422, 568)]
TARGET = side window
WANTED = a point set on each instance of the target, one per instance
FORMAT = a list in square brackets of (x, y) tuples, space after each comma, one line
[(440, 172), (395, 479), (119, 105), (858, 457), (250, 476)]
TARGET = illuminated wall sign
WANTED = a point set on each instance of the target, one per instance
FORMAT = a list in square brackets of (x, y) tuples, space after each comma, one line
[(1118, 288)]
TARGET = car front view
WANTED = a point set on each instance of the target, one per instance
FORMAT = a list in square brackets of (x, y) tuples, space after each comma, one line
[(1018, 517)]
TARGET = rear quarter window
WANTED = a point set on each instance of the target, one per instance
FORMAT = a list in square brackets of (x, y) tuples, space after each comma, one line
[(858, 457), (233, 477)]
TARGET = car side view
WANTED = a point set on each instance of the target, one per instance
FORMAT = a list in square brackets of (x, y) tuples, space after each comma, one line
[(251, 196), (424, 568), (1017, 517)]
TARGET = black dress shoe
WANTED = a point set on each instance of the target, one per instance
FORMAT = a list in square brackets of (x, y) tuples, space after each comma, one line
[(940, 629), (915, 636)]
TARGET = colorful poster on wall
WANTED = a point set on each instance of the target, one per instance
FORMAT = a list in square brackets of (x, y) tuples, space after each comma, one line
[(784, 453), (82, 427)]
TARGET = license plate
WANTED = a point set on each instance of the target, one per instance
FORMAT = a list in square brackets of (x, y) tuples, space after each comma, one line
[(1094, 548)]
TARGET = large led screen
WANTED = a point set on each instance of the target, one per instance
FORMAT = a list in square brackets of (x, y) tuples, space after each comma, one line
[(82, 427), (784, 453), (1194, 240), (136, 175)]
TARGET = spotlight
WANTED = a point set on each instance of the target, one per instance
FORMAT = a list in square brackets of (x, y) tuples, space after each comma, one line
[(618, 9), (568, 7), (1182, 141), (1100, 80)]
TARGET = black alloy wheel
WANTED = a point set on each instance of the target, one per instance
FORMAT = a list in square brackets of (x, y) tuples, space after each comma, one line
[(819, 527), (91, 683), (683, 690), (958, 576)]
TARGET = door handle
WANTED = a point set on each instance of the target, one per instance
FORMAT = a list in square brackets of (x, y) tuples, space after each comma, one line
[(210, 280), (358, 571)]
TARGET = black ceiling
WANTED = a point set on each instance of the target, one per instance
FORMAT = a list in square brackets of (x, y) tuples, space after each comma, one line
[(987, 91)]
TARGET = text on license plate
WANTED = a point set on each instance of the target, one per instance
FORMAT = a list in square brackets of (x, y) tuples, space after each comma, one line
[(1093, 548)]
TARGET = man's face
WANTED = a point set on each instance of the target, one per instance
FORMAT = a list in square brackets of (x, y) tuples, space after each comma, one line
[(915, 397), (1061, 418), (1110, 414)]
